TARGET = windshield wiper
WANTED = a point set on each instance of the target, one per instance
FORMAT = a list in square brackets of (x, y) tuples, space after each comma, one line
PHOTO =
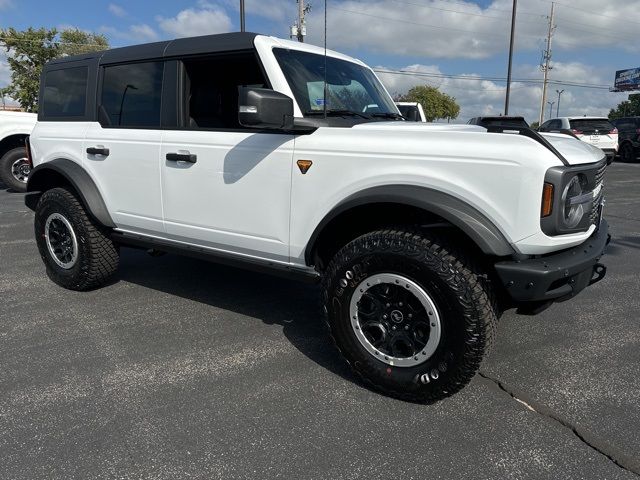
[(338, 113), (388, 115)]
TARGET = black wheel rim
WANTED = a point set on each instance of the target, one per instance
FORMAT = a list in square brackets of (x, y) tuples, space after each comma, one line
[(61, 241), (395, 320)]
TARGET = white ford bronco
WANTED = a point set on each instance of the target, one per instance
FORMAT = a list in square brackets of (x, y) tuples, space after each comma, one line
[(265, 153), (15, 127)]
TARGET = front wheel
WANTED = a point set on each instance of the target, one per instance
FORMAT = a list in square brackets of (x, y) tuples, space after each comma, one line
[(15, 169), (78, 253), (410, 314)]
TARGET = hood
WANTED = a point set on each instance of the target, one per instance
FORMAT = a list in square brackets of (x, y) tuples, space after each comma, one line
[(575, 151)]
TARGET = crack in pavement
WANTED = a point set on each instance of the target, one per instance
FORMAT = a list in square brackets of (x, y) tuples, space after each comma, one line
[(615, 455)]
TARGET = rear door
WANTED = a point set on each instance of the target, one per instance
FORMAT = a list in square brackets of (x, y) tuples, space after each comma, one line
[(122, 150), (224, 186)]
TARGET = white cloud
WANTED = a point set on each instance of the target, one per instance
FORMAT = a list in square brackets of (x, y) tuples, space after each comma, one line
[(463, 29), (277, 10), (484, 97), (204, 20), (117, 10), (6, 4), (143, 32), (134, 33)]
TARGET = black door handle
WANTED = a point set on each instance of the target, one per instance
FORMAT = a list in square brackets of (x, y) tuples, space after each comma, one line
[(98, 151), (182, 157)]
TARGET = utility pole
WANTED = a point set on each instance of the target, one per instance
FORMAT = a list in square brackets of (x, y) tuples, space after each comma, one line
[(242, 16), (559, 92), (513, 31), (302, 29), (546, 59)]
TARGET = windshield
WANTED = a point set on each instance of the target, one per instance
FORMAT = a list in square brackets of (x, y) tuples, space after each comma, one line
[(350, 87)]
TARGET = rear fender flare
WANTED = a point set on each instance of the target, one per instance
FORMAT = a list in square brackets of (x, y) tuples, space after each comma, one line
[(79, 179)]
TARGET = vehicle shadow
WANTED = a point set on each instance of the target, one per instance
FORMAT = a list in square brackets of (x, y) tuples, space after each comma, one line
[(273, 300), (8, 189), (618, 244), (248, 153)]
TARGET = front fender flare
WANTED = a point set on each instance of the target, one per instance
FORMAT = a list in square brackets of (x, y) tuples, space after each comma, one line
[(40, 179), (457, 212)]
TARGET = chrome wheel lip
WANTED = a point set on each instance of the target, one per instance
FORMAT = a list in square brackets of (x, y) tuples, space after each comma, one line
[(426, 301), (51, 248), (18, 172)]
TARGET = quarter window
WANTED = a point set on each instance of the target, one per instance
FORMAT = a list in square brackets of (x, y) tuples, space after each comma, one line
[(131, 95), (65, 92)]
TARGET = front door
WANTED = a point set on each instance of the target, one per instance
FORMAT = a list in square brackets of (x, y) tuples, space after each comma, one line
[(224, 186), (228, 190)]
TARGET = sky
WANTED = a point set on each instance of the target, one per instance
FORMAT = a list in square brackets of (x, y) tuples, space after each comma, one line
[(445, 42)]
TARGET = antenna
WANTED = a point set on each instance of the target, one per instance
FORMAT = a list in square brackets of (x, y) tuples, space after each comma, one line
[(325, 60)]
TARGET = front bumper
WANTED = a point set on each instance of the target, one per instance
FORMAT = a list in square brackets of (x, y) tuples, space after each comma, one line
[(555, 277)]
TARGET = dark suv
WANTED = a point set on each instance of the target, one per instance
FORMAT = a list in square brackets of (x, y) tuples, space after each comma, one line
[(628, 138), (499, 121)]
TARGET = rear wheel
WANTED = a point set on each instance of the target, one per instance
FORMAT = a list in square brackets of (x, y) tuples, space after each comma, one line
[(78, 253), (627, 153), (15, 169), (410, 314)]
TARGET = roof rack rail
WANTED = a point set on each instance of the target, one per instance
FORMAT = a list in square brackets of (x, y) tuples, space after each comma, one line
[(532, 134)]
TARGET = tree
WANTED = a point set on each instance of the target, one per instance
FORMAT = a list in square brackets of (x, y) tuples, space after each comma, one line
[(30, 49), (436, 104), (534, 125), (628, 108)]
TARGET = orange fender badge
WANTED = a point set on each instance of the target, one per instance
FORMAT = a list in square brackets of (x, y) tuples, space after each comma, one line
[(304, 165)]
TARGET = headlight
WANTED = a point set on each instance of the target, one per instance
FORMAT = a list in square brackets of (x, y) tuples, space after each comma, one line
[(573, 211)]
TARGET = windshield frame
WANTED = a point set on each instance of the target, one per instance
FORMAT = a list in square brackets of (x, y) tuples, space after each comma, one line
[(301, 87)]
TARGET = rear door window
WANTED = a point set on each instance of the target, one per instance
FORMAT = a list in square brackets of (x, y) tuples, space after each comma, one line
[(65, 93), (131, 95), (591, 125)]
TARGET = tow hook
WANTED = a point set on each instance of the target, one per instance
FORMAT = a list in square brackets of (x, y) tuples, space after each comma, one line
[(599, 271)]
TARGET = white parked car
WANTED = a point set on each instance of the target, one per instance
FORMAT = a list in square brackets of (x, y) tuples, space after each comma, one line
[(14, 164), (420, 234), (597, 131), (412, 111)]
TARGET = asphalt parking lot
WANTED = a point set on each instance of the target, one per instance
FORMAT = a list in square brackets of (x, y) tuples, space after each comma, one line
[(184, 369)]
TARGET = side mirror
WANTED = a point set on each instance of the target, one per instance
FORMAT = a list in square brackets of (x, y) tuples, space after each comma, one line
[(264, 108), (412, 115)]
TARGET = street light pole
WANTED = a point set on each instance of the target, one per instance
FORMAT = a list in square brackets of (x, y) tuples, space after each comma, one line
[(551, 104), (242, 15), (513, 30), (559, 92)]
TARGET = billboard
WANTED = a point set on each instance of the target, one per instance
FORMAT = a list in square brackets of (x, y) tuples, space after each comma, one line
[(627, 80)]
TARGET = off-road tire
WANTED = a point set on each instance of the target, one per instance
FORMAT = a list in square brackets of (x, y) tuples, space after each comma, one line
[(462, 294), (98, 256), (6, 162)]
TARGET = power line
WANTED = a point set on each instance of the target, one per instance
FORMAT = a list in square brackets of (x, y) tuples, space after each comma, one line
[(431, 7), (478, 78), (588, 12), (417, 23)]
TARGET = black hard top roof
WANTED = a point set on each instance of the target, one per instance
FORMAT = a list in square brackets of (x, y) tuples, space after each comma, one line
[(224, 42)]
